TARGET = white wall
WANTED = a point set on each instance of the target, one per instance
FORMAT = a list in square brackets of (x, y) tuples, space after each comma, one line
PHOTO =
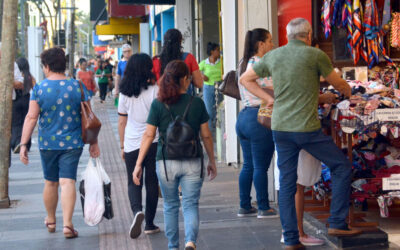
[(145, 38), (228, 13), (184, 23), (35, 48)]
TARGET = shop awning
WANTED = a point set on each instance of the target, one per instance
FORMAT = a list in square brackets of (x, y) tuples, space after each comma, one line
[(119, 26)]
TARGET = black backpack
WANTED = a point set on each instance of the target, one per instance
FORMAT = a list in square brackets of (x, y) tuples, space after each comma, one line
[(180, 140)]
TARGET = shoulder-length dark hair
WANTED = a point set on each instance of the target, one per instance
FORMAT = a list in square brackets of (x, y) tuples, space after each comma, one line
[(137, 75), (251, 45), (23, 66), (170, 84), (172, 48)]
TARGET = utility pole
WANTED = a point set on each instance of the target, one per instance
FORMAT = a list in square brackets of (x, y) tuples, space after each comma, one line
[(10, 12), (59, 22), (71, 39)]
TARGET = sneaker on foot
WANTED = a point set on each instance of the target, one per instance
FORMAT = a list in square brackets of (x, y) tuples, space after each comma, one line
[(247, 212), (136, 227), (190, 246), (271, 213), (151, 229), (309, 240)]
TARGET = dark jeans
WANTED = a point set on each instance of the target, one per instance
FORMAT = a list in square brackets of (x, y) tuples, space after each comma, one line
[(322, 147), (258, 148), (103, 90), (151, 182)]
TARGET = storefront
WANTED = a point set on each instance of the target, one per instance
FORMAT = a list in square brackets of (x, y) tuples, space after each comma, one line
[(366, 127)]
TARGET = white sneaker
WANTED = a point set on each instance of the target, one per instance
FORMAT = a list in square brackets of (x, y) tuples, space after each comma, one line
[(136, 227), (282, 239)]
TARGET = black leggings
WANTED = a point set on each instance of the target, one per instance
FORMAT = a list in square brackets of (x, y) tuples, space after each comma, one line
[(150, 180), (103, 90)]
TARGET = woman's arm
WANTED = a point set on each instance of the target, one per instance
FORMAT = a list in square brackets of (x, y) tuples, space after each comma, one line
[(147, 140), (249, 81), (197, 79), (122, 120), (206, 136), (29, 124)]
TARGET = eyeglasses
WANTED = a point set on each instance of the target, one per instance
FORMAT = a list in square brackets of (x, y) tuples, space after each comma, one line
[(126, 51)]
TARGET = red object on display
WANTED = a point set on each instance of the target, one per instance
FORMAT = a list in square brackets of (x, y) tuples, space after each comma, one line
[(100, 49), (115, 9), (288, 10)]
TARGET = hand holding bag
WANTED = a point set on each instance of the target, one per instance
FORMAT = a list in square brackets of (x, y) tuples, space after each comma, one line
[(265, 113), (90, 123)]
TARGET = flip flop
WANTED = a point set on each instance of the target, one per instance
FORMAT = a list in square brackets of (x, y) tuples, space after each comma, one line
[(48, 224), (71, 234)]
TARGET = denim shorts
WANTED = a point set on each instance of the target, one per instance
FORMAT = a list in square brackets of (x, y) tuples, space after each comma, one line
[(60, 163)]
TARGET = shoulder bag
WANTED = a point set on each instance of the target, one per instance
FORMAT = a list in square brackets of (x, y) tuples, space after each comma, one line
[(90, 123)]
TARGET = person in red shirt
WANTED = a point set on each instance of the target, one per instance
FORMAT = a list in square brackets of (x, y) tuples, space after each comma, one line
[(86, 76), (172, 50)]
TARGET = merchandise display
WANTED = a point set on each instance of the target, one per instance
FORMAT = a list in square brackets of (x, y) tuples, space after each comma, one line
[(368, 125)]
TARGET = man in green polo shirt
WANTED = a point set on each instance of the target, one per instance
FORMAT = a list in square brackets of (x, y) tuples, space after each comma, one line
[(296, 69)]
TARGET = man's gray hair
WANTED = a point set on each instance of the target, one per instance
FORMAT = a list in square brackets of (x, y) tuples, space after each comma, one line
[(298, 28), (126, 46)]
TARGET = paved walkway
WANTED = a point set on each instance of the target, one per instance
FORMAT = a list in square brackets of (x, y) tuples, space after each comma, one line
[(21, 226)]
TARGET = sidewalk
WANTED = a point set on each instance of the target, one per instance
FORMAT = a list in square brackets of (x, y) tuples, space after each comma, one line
[(21, 226)]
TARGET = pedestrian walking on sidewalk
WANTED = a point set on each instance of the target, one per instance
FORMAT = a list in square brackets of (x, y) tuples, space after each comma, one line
[(173, 107), (55, 103), (103, 74), (296, 68), (137, 92), (211, 72), (126, 54), (86, 76), (21, 105), (172, 50), (255, 139)]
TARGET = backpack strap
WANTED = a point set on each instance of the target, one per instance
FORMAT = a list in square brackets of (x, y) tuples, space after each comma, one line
[(163, 156), (169, 111), (184, 55), (187, 108)]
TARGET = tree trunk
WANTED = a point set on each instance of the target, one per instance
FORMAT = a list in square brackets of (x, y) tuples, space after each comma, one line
[(10, 11), (1, 16)]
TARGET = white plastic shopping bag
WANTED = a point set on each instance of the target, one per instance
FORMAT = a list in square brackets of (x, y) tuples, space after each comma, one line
[(94, 195)]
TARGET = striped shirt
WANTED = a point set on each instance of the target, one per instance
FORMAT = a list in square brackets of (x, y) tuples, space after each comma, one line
[(248, 99)]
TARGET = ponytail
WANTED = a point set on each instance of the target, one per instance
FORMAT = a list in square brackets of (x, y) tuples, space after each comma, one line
[(251, 45)]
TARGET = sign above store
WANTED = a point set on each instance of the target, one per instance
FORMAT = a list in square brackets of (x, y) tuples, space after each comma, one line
[(116, 44), (146, 1)]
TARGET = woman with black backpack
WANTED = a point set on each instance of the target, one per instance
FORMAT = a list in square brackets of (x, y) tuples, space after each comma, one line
[(180, 118)]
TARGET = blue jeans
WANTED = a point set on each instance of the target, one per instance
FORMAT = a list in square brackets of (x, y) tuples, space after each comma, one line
[(258, 148), (322, 147), (184, 173), (209, 101)]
